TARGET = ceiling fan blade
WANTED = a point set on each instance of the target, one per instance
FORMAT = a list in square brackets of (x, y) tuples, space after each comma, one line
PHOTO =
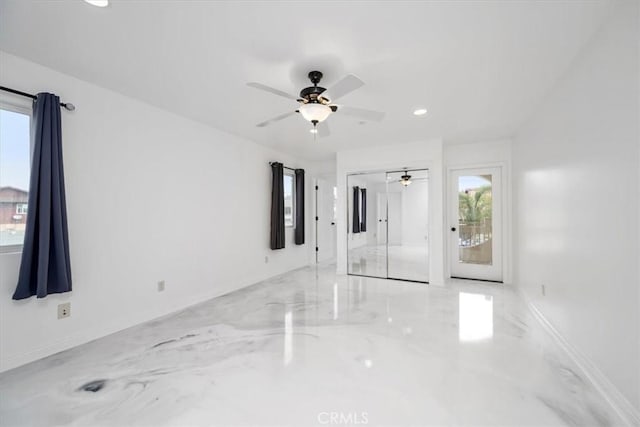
[(275, 119), (323, 130), (272, 90), (348, 84), (361, 113)]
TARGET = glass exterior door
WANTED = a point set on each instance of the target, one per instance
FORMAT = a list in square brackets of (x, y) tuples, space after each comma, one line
[(476, 224)]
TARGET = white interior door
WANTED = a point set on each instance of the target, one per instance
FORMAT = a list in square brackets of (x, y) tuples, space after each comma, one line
[(325, 221), (381, 219), (476, 224)]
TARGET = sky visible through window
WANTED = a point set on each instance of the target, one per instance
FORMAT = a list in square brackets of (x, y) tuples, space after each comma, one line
[(14, 150), (472, 182), (14, 176)]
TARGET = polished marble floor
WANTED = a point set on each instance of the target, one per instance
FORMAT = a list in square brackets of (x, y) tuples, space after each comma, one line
[(394, 261), (312, 348)]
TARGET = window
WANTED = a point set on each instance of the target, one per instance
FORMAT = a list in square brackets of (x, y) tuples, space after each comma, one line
[(21, 209), (15, 159), (289, 206)]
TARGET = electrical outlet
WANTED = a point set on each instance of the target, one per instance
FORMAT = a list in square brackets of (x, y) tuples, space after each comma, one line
[(544, 290), (64, 310), (266, 259), (161, 286)]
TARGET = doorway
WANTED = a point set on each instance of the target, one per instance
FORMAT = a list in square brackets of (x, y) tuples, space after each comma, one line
[(387, 224), (476, 224)]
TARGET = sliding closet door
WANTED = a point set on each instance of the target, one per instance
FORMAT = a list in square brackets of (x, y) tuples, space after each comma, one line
[(408, 200), (367, 219)]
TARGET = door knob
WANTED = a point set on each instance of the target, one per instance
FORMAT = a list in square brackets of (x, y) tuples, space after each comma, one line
[(453, 229)]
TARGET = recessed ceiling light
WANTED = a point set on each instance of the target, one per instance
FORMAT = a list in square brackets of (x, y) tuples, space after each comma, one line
[(420, 112), (99, 3), (313, 130)]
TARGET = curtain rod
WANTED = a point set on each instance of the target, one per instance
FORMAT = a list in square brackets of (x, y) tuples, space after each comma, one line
[(285, 167), (69, 106)]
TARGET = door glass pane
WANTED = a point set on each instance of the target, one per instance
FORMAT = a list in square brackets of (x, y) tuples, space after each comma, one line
[(475, 208), (367, 225), (408, 225)]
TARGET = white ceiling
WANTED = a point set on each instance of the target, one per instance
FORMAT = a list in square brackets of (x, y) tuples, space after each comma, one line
[(480, 67)]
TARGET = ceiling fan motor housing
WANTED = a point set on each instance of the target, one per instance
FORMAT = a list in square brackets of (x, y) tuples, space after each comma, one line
[(315, 77), (313, 93)]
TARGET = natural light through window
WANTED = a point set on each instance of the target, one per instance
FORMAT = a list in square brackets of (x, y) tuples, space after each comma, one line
[(288, 199), (476, 317), (14, 175)]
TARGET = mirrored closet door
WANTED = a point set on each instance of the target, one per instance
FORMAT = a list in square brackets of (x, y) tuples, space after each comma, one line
[(367, 224), (388, 224)]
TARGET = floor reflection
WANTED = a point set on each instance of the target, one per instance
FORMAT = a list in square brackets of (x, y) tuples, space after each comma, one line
[(335, 301), (288, 338), (401, 262), (475, 317)]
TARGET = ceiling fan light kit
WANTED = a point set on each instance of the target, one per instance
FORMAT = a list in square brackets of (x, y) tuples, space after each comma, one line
[(315, 112), (316, 102)]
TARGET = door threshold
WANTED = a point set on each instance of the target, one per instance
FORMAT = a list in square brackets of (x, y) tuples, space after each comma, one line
[(478, 280), (388, 278)]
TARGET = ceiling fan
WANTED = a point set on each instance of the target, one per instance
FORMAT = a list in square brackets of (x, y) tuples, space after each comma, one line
[(316, 102), (406, 180)]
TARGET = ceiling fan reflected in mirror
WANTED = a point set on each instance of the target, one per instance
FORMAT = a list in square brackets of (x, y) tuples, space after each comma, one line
[(407, 179), (316, 102)]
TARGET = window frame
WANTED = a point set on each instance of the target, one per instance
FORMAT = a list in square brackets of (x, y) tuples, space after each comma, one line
[(26, 110), (20, 211), (292, 174)]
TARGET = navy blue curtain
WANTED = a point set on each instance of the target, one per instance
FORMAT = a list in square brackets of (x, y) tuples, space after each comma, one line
[(299, 233), (356, 210), (277, 206), (45, 267), (363, 203)]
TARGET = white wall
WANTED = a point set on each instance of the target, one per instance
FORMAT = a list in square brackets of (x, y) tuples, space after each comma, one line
[(427, 154), (394, 217), (415, 208), (576, 165), (151, 196), (374, 191)]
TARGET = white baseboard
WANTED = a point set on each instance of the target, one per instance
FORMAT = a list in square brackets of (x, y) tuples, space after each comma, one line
[(609, 392)]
